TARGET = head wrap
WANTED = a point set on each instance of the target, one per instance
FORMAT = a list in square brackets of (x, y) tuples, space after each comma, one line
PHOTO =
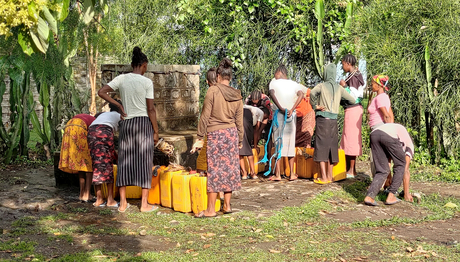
[(382, 80)]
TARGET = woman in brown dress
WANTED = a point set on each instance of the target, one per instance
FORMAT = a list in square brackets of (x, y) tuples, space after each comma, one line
[(222, 121)]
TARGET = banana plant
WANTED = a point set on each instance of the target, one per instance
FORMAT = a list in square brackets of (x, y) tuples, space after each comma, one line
[(318, 42)]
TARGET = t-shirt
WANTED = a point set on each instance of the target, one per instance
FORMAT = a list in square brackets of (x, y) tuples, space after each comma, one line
[(286, 91), (399, 131), (134, 89), (375, 115), (88, 119), (356, 86), (109, 119), (257, 114)]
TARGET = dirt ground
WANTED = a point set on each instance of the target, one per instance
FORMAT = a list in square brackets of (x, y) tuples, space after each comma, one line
[(32, 192)]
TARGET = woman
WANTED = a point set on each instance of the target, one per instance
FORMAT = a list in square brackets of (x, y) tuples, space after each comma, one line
[(351, 141), (252, 117), (327, 108), (305, 122), (103, 154), (138, 130), (201, 161), (259, 99), (380, 107), (222, 121), (75, 156)]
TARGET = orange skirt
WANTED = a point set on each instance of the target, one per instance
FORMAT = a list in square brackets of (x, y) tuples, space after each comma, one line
[(75, 154)]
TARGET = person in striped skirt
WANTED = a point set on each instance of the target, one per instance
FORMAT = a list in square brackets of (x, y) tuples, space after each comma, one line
[(138, 130)]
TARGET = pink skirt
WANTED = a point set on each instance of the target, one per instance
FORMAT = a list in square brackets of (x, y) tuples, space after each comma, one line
[(352, 141)]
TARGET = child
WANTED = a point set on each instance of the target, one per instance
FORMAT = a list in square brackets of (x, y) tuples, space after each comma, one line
[(103, 154)]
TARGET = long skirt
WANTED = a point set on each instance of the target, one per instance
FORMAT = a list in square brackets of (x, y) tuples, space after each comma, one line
[(135, 154), (305, 126), (248, 138), (75, 154), (285, 136), (223, 161), (326, 143), (102, 149), (352, 141)]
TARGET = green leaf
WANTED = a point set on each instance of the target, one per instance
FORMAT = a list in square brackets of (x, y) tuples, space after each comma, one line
[(251, 9), (24, 42), (52, 23), (46, 123), (33, 12), (65, 10), (319, 9), (36, 125), (43, 29), (37, 42), (88, 11)]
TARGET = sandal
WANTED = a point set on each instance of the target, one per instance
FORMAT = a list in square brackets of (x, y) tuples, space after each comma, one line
[(321, 182), (127, 206), (244, 177), (201, 215), (292, 178)]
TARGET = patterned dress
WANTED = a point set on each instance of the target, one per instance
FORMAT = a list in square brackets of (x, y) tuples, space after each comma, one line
[(75, 155), (223, 161), (102, 148)]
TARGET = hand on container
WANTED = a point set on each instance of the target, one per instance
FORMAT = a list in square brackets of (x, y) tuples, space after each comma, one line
[(198, 145), (289, 114), (156, 137), (343, 83)]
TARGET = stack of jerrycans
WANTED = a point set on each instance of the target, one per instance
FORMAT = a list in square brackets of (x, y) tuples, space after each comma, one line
[(199, 196)]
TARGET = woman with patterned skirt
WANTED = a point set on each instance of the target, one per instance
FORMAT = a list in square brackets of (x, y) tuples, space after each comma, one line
[(75, 157), (222, 121), (103, 154)]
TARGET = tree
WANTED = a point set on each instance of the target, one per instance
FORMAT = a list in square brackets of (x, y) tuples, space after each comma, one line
[(415, 43)]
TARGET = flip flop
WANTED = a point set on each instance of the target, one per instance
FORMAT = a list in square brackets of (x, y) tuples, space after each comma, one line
[(153, 209), (201, 215), (392, 203), (117, 205), (88, 201), (101, 205), (293, 178), (244, 178), (350, 176), (371, 203), (125, 209), (321, 182), (227, 212)]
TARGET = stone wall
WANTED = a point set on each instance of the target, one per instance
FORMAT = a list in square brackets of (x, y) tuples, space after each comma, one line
[(176, 91)]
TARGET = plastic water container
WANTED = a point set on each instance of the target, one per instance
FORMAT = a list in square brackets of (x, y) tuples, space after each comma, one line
[(181, 191), (306, 167), (285, 169), (166, 196), (154, 192), (199, 196), (339, 170), (257, 167)]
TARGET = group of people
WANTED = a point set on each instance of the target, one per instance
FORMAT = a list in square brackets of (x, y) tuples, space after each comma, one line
[(229, 128)]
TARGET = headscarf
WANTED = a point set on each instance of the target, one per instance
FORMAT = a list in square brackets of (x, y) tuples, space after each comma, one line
[(329, 77), (382, 80)]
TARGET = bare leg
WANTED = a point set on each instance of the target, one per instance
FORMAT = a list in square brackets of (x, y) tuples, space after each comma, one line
[(227, 197), (352, 170), (251, 165), (329, 171), (123, 202), (244, 173), (323, 167), (87, 186), (277, 170), (211, 211), (406, 180), (110, 200), (144, 204), (99, 199), (81, 180), (293, 175)]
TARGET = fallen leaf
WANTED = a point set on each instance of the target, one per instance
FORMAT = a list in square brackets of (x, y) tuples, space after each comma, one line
[(178, 244), (357, 259), (269, 236), (194, 255), (189, 251), (258, 230), (57, 233), (392, 237), (210, 234), (207, 246), (292, 248), (450, 205), (274, 251), (409, 249), (190, 242), (341, 259)]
